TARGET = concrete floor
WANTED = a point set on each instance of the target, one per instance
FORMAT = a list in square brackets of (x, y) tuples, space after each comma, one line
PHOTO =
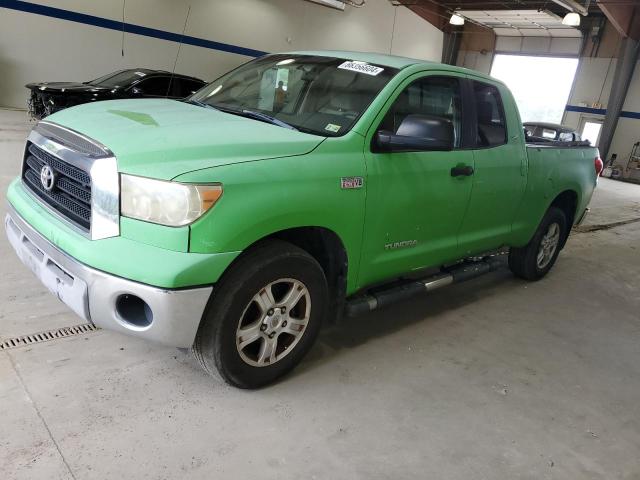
[(491, 379)]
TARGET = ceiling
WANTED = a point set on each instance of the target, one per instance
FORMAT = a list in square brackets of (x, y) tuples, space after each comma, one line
[(522, 23), (528, 17), (504, 5), (506, 17)]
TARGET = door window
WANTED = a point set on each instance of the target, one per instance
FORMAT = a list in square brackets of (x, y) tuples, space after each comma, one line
[(154, 87), (433, 96), (492, 129)]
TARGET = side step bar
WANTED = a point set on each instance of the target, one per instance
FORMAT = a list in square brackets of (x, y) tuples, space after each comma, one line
[(456, 274)]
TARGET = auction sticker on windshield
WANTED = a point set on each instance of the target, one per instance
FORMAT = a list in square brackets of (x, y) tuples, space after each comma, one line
[(361, 67)]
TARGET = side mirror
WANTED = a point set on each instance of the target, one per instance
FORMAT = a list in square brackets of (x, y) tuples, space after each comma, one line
[(417, 133)]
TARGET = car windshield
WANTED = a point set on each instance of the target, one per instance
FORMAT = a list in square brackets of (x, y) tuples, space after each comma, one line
[(314, 94), (118, 79)]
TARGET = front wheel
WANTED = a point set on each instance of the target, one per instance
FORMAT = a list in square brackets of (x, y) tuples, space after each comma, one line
[(533, 261), (264, 315)]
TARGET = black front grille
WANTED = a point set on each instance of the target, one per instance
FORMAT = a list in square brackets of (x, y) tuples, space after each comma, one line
[(71, 193)]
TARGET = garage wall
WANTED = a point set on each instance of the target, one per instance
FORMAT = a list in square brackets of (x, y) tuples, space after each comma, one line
[(591, 93), (39, 48), (628, 129), (592, 85)]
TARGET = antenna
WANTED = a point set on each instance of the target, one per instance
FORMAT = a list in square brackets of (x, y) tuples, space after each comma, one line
[(184, 29), (124, 3)]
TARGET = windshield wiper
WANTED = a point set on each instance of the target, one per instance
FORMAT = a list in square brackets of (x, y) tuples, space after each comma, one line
[(267, 118), (200, 104), (263, 117)]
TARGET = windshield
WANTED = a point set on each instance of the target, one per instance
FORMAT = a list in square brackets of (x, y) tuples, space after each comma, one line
[(118, 79), (314, 94)]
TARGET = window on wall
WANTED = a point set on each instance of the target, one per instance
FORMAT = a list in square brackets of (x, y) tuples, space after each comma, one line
[(540, 85)]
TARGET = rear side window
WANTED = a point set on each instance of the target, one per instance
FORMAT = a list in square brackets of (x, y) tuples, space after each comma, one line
[(566, 137), (492, 125), (182, 87)]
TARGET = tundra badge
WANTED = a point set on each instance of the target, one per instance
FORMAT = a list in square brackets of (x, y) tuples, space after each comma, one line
[(403, 244)]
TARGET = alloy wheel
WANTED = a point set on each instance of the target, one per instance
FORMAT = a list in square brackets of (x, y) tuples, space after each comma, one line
[(273, 322), (548, 245)]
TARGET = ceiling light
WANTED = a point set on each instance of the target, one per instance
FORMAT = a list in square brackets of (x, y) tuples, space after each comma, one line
[(571, 19), (337, 4), (456, 19)]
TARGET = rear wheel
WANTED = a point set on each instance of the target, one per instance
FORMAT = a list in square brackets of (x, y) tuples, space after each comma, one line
[(533, 261), (264, 315)]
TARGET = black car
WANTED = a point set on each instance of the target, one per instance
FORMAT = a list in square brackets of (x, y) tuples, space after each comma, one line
[(550, 132), (49, 97)]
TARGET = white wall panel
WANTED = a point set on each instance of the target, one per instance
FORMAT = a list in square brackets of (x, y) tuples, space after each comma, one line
[(538, 45), (411, 39), (628, 130), (632, 102), (627, 133), (593, 81), (39, 48)]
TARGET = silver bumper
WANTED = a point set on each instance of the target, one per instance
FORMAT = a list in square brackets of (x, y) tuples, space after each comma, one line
[(170, 317)]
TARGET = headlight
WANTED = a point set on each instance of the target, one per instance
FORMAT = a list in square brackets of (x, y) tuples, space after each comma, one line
[(167, 203)]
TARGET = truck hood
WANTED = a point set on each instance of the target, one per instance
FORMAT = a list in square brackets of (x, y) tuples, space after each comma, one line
[(166, 138)]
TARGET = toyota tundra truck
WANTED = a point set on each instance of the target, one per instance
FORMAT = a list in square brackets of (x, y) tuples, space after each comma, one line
[(296, 188)]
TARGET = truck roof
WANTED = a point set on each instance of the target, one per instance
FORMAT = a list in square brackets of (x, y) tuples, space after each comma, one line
[(393, 61)]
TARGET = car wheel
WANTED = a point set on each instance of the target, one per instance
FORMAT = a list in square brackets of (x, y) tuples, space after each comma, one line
[(263, 316), (533, 261)]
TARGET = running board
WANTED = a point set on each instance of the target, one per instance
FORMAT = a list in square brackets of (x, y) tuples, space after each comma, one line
[(455, 274)]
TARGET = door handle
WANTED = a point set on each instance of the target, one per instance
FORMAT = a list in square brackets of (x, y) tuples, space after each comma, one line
[(462, 171)]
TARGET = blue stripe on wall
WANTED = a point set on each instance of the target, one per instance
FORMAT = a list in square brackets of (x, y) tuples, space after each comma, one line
[(600, 111), (128, 27), (575, 108)]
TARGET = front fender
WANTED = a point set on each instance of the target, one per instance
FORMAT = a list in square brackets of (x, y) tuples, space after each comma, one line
[(267, 196)]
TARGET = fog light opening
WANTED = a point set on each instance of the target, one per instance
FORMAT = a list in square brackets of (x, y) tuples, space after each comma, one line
[(134, 311)]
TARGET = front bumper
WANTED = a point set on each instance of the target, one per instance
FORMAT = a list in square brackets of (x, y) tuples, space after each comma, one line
[(170, 316)]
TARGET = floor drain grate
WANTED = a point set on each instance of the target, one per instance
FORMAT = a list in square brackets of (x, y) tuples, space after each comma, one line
[(47, 336)]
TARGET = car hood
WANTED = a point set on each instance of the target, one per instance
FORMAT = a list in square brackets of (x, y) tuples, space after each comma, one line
[(166, 138), (61, 87)]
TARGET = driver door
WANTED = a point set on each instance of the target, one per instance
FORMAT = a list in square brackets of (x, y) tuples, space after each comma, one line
[(415, 203)]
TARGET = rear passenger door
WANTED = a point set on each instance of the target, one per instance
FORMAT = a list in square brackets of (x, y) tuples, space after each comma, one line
[(499, 177)]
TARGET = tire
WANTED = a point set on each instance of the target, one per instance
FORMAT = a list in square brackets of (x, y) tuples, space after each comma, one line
[(245, 334), (528, 262)]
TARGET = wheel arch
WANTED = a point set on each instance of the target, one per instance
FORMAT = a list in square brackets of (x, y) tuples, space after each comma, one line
[(568, 202), (327, 248)]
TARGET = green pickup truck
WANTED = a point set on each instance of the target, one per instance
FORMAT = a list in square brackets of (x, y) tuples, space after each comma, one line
[(296, 188)]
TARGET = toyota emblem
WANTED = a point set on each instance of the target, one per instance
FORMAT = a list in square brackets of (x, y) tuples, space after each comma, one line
[(47, 178)]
